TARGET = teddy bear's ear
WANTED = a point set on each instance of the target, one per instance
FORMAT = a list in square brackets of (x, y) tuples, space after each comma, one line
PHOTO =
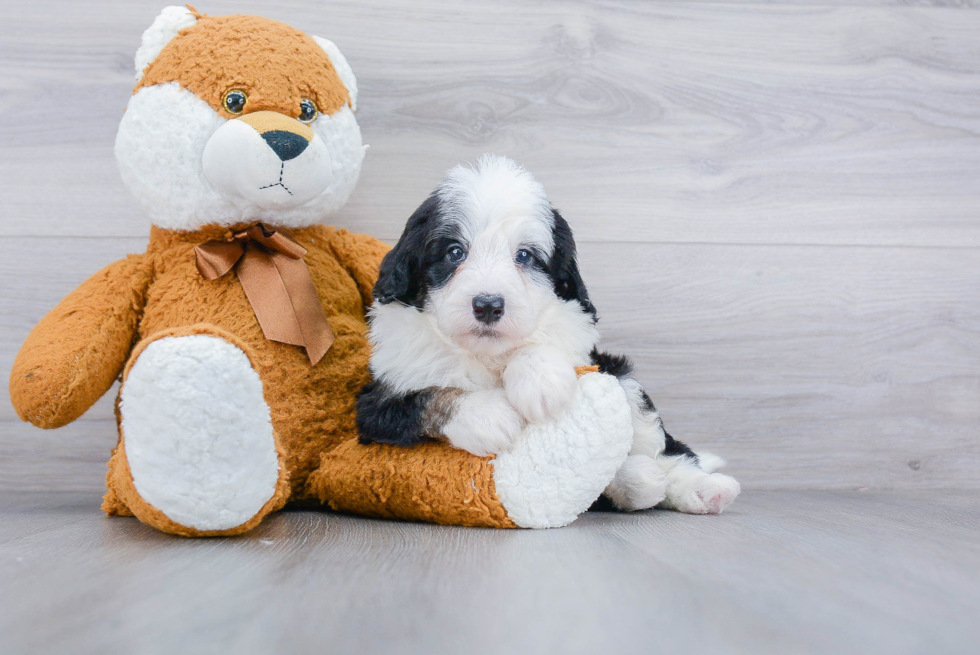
[(342, 67), (165, 27)]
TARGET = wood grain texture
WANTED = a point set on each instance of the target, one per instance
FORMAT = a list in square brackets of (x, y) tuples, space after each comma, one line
[(780, 572), (778, 204), (685, 122), (804, 366), (947, 4)]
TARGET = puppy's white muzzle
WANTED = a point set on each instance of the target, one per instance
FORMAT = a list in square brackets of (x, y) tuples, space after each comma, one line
[(271, 160)]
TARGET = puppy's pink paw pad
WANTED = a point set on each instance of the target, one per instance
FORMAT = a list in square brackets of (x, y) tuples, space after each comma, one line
[(717, 492)]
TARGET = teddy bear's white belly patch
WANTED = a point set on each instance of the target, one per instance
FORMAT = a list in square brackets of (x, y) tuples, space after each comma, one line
[(198, 433)]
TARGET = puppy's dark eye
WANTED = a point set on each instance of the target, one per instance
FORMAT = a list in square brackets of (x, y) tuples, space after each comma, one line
[(523, 256), (235, 101), (307, 111), (456, 254)]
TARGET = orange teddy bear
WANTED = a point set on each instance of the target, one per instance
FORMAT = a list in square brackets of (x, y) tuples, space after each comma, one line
[(240, 334)]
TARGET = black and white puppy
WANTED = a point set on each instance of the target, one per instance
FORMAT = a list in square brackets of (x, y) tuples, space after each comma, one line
[(479, 321)]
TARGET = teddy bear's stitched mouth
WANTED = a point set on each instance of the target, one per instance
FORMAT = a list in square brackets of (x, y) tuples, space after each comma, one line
[(282, 165)]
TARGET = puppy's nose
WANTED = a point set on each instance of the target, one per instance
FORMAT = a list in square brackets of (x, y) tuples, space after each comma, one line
[(488, 309), (285, 144)]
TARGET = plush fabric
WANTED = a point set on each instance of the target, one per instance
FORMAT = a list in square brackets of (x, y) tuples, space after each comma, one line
[(312, 407), (274, 62), (123, 497), (185, 67), (164, 28), (553, 472), (557, 468), (219, 425), (72, 357), (430, 482)]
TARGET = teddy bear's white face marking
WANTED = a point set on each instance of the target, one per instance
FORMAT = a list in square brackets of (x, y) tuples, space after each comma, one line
[(274, 161), (191, 162), (190, 167)]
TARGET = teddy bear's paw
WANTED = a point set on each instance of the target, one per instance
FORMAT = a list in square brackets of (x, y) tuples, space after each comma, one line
[(197, 432), (555, 471), (640, 483)]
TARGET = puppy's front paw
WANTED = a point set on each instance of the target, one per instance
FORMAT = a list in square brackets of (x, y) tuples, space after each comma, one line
[(484, 423), (540, 384)]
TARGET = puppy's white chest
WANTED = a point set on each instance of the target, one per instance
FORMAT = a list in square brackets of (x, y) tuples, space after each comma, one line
[(483, 375)]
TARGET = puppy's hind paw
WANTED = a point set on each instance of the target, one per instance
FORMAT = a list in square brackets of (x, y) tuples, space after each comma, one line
[(639, 484), (711, 494)]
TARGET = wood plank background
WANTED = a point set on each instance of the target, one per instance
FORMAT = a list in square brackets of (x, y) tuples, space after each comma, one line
[(777, 204)]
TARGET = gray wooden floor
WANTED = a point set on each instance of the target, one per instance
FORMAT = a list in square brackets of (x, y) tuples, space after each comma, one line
[(777, 204), (778, 213), (782, 572)]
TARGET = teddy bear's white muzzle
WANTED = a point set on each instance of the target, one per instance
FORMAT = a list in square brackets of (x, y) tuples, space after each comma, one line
[(274, 169)]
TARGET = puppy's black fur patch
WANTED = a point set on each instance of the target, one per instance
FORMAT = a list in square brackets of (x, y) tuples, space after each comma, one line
[(617, 365), (602, 504), (386, 417), (419, 261), (563, 268), (675, 448), (398, 277)]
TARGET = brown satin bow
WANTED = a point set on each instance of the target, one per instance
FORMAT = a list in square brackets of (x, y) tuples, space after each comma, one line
[(277, 284)]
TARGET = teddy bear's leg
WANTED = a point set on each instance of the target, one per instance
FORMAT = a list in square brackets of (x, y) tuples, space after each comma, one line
[(197, 453), (553, 473), (557, 470)]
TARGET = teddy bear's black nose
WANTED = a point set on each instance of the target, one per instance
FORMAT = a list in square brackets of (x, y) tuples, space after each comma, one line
[(285, 144)]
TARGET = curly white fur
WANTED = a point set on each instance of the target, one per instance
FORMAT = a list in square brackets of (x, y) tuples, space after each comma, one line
[(199, 437), (519, 367)]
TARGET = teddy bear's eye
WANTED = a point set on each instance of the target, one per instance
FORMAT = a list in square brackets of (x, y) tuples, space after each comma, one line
[(307, 111), (235, 101)]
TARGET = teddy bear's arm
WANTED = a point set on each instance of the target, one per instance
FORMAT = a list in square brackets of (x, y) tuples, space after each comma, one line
[(76, 352), (361, 256)]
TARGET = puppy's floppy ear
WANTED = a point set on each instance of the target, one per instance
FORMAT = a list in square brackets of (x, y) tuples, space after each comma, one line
[(401, 275), (563, 267)]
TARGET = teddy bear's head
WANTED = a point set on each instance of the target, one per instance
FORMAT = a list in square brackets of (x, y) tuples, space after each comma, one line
[(237, 119)]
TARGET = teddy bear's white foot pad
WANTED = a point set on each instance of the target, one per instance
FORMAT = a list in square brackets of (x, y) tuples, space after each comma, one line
[(198, 434), (555, 471)]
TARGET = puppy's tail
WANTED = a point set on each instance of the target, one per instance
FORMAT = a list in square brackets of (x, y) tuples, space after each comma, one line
[(709, 462)]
